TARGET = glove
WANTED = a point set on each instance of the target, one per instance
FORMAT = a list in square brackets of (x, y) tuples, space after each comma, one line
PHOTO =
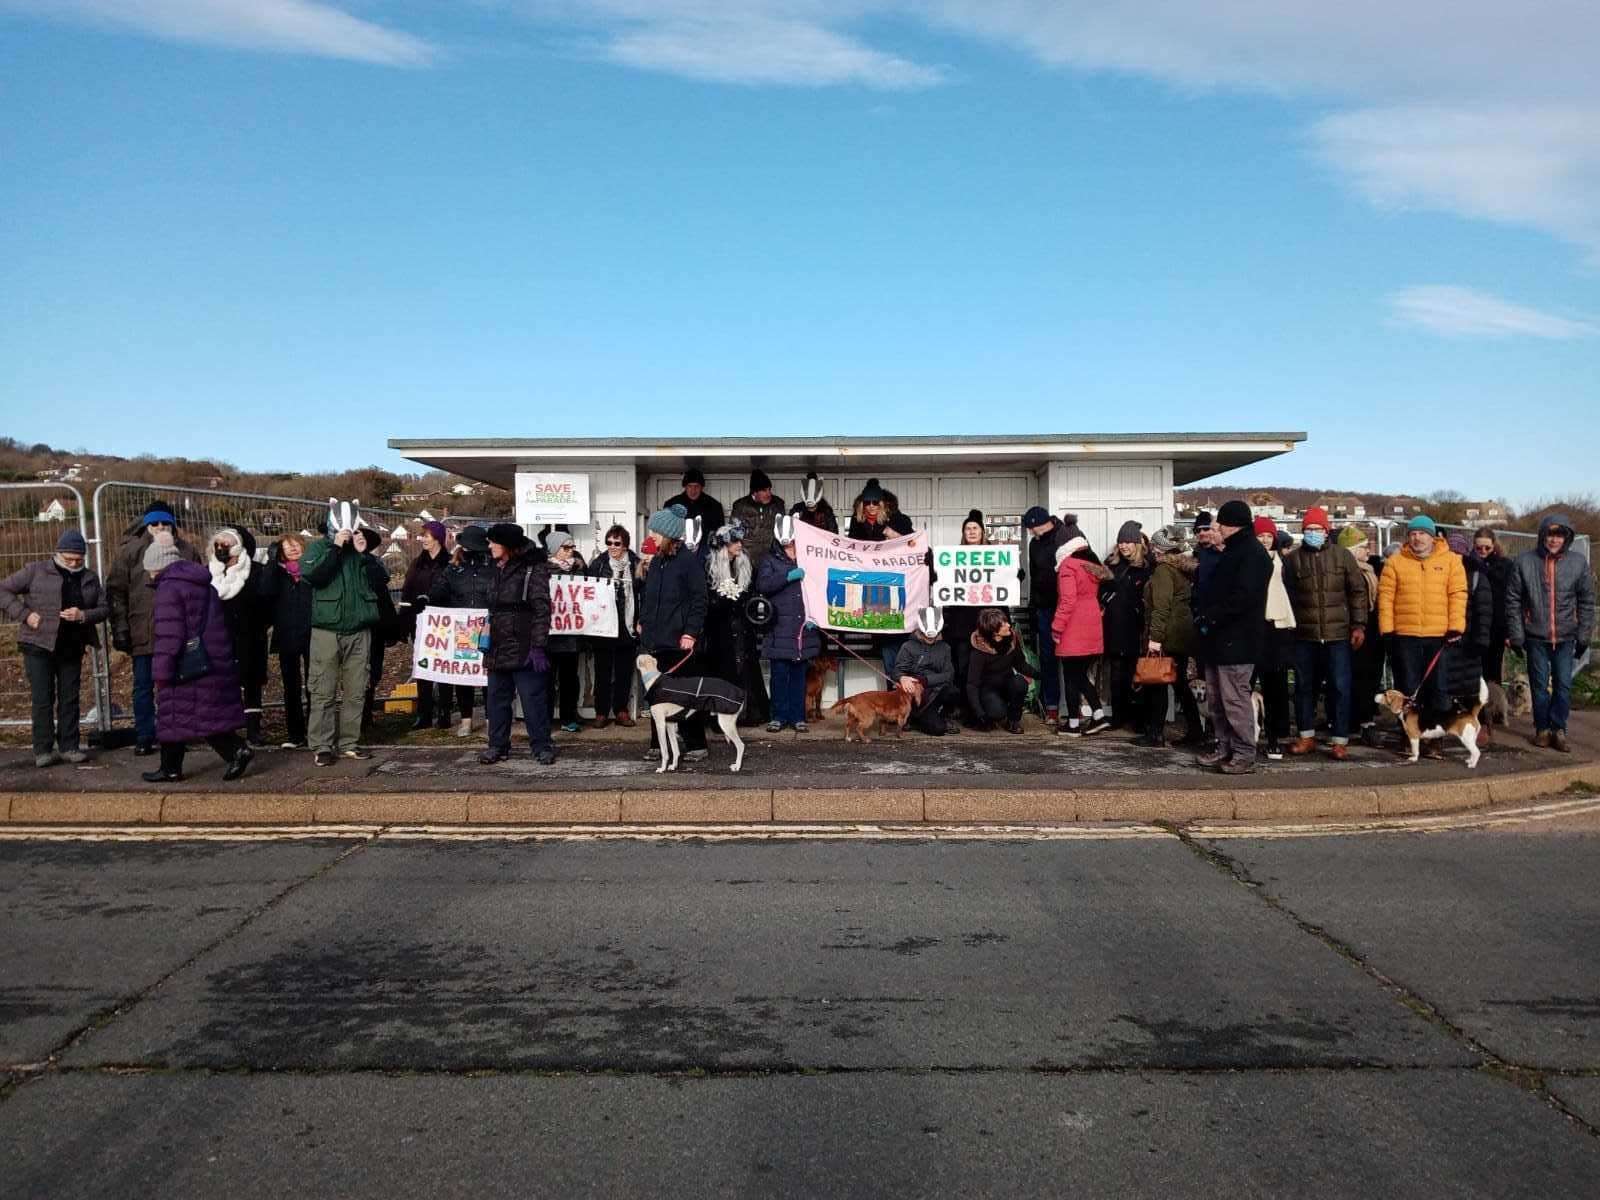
[(1452, 637), (796, 573), (538, 660), (810, 624)]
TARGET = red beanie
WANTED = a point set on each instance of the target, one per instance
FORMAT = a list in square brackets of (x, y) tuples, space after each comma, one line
[(1266, 525), (1316, 515)]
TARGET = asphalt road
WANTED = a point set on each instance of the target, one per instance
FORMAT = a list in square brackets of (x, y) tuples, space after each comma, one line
[(1353, 1016)]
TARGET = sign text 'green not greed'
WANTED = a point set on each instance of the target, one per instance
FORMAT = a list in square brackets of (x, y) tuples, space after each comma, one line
[(966, 576)]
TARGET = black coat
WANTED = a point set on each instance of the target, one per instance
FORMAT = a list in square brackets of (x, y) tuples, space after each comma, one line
[(421, 575), (1481, 606), (1231, 617), (1042, 567), (1496, 572), (519, 612), (989, 667), (708, 510), (1122, 605), (467, 584), (674, 600), (895, 524), (392, 627), (290, 599)]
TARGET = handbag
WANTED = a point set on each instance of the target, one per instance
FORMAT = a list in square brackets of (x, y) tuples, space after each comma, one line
[(1155, 670), (193, 661)]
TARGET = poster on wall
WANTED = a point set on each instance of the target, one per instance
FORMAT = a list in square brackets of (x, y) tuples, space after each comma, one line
[(863, 587), (446, 649), (967, 576), (543, 498), (582, 606)]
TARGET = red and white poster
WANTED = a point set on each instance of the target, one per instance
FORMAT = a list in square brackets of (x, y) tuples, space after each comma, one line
[(865, 587)]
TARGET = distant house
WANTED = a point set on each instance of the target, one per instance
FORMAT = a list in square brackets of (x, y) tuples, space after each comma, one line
[(399, 534), (54, 511), (206, 483), (1488, 511), (1401, 506), (1351, 508), (48, 475), (464, 489), (412, 497)]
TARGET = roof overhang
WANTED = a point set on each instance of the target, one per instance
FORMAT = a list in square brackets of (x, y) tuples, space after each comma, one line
[(1194, 456)]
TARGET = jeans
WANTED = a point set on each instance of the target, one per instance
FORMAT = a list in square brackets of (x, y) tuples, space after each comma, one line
[(1550, 681), (1049, 675), (1409, 660), (54, 680), (1002, 704), (1319, 663), (527, 685), (339, 669), (1233, 715), (144, 700), (788, 691)]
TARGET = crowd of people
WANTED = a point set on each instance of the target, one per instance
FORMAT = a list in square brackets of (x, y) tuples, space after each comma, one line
[(1233, 609)]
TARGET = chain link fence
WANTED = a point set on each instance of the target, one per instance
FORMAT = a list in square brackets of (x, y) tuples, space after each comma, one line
[(32, 518)]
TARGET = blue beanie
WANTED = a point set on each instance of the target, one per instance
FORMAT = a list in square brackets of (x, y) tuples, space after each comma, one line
[(1034, 517), (668, 522), (71, 542), (160, 514), (1423, 522)]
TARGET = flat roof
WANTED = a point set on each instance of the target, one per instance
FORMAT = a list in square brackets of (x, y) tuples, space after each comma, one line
[(1194, 456)]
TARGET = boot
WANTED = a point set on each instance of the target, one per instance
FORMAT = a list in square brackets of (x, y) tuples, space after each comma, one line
[(252, 729), (1302, 745), (238, 764)]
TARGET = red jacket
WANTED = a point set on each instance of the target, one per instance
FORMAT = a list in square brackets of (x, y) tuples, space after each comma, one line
[(1078, 630)]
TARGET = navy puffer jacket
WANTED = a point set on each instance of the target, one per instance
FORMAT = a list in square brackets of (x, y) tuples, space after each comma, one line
[(789, 638)]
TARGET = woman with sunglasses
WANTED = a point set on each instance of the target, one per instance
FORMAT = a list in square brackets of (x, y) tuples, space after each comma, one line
[(613, 657)]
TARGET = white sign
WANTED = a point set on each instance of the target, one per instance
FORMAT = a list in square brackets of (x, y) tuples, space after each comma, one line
[(969, 576), (583, 606), (546, 499), (446, 647)]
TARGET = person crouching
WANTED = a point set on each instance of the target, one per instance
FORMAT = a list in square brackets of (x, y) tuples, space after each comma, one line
[(997, 672)]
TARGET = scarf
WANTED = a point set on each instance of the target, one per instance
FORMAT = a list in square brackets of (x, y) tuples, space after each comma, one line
[(229, 578), (1279, 611), (620, 579), (730, 577), (77, 570), (292, 565)]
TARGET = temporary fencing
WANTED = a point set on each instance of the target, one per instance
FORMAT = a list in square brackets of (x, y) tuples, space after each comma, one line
[(32, 518)]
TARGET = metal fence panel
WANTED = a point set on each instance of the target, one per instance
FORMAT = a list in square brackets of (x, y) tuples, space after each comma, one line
[(32, 517)]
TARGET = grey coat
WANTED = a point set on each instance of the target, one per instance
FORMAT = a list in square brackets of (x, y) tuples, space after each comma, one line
[(1534, 609), (929, 661), (133, 602), (37, 589)]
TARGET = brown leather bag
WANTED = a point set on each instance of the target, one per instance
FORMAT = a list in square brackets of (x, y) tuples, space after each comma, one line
[(1155, 670)]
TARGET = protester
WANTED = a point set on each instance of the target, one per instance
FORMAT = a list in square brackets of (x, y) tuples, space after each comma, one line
[(1550, 605), (672, 614), (876, 517), (133, 610), (1480, 622), (694, 501), (204, 704), (344, 612), (467, 582), (730, 650), (390, 626), (1329, 596), (791, 641), (433, 698), (238, 585), (1169, 631), (1122, 611), (961, 621), (1494, 569), (286, 589), (923, 667), (1366, 655), (1079, 635), (1231, 621), (997, 672), (516, 662), (812, 508), (614, 657), (755, 512), (1277, 643), (1422, 607), (57, 604), (1045, 536), (563, 648)]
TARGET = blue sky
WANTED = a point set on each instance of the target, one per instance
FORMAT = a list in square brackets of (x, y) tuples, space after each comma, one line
[(281, 231)]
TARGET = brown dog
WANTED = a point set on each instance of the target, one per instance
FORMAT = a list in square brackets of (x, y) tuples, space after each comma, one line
[(816, 679), (1421, 725), (865, 711)]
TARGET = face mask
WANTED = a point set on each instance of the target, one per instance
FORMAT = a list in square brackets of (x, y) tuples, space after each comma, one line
[(1316, 539)]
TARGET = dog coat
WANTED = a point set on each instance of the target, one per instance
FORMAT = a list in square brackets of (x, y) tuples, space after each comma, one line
[(696, 693)]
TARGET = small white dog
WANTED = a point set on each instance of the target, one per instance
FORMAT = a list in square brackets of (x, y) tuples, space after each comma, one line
[(670, 696)]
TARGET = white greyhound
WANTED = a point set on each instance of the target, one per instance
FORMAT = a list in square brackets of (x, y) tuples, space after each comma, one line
[(686, 695)]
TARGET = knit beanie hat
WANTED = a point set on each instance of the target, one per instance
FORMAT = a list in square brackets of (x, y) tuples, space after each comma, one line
[(975, 517), (504, 533), (161, 554), (1034, 517), (1235, 513), (1423, 522), (436, 528), (1265, 525), (1350, 537), (872, 493), (1202, 520), (668, 522), (693, 475), (159, 512), (759, 482), (1131, 531), (1164, 542), (1458, 544), (1315, 515), (555, 539), (71, 542)]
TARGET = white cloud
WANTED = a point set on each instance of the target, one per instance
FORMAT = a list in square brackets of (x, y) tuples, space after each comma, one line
[(1465, 312), (286, 26)]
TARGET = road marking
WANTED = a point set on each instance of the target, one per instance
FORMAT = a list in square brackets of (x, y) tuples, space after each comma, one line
[(1478, 819)]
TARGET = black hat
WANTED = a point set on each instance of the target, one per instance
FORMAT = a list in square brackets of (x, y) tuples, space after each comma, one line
[(504, 533), (693, 475), (1235, 513), (975, 517), (759, 481), (472, 539), (872, 493), (1202, 520)]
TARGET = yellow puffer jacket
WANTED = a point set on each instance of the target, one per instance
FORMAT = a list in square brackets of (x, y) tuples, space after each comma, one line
[(1423, 597)]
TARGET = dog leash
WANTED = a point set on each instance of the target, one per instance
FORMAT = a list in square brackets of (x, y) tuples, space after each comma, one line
[(878, 671), (1411, 700)]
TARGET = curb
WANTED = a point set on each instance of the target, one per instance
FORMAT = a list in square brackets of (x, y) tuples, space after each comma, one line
[(942, 805)]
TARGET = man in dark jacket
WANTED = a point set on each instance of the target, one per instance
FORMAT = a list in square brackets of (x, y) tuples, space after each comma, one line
[(133, 611), (519, 630), (812, 508), (756, 511), (1231, 620), (672, 614), (696, 503), (1550, 611), (1329, 595), (1045, 534), (924, 667)]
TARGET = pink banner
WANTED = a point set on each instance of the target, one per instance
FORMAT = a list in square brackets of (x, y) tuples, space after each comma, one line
[(867, 587)]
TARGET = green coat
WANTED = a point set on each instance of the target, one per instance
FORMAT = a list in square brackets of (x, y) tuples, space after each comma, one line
[(342, 599), (1167, 616)]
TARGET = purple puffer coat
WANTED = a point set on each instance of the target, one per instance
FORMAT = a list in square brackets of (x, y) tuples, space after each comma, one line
[(210, 704)]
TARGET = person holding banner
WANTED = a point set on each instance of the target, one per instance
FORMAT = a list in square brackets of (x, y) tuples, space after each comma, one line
[(614, 657), (516, 661), (466, 583), (876, 517), (563, 648), (672, 614), (961, 620), (433, 699)]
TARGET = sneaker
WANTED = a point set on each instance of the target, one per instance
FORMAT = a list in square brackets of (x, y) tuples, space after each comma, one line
[(570, 727), (144, 750), (801, 727), (75, 756), (544, 757), (1275, 750), (326, 758), (1215, 759), (464, 729), (1152, 741), (357, 752), (490, 757), (626, 720), (1558, 742), (696, 755), (1302, 745), (1099, 725), (1013, 726), (46, 760), (238, 764), (1542, 739), (1052, 716), (291, 745), (1070, 730), (774, 726), (602, 721)]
